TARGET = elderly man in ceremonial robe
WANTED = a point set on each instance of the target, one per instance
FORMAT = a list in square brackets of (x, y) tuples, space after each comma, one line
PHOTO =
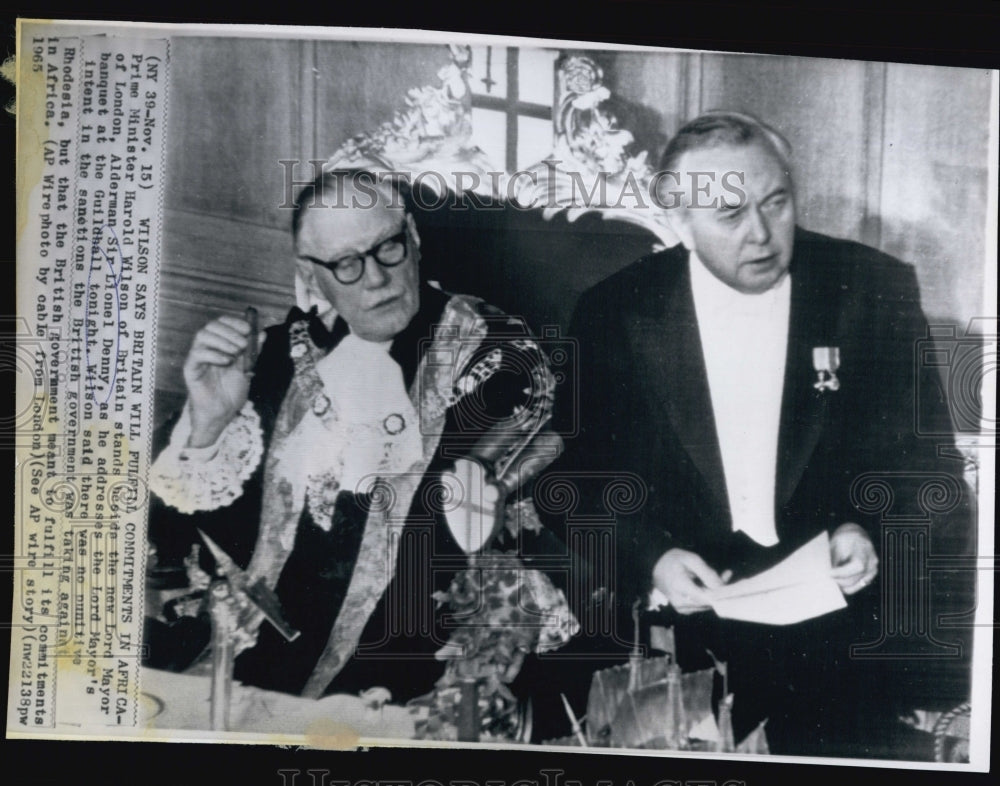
[(357, 468)]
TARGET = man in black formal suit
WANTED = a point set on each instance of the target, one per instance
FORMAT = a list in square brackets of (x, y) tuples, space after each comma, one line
[(761, 380)]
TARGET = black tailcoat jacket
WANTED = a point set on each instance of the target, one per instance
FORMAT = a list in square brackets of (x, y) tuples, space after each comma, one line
[(850, 455)]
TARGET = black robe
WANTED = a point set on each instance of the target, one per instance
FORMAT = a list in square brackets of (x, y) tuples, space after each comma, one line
[(396, 649)]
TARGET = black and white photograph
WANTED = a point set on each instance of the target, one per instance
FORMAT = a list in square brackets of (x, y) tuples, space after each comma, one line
[(429, 389)]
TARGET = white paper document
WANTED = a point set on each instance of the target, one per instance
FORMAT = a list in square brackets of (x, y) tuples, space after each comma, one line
[(796, 589)]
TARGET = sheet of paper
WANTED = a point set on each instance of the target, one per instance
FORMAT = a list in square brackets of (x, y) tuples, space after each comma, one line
[(796, 589)]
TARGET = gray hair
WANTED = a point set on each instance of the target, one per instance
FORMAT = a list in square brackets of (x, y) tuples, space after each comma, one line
[(331, 182), (724, 128)]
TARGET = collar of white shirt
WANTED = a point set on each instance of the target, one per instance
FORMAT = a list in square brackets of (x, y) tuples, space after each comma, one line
[(711, 294)]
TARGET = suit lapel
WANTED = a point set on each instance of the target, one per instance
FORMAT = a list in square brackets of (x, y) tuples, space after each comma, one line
[(664, 334), (668, 348), (812, 323)]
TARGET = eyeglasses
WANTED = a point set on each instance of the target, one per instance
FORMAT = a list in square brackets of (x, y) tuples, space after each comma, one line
[(350, 269)]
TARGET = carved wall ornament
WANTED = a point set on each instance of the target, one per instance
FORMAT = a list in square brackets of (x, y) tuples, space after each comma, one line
[(590, 168), (433, 133)]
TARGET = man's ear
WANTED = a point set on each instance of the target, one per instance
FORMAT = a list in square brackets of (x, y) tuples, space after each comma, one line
[(413, 229), (678, 221), (305, 270)]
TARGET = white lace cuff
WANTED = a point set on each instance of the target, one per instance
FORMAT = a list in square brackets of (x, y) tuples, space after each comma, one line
[(195, 479)]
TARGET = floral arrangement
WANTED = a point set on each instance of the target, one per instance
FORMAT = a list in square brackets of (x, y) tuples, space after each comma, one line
[(503, 611)]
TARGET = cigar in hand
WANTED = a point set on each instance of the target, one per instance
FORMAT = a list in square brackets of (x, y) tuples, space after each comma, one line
[(253, 345)]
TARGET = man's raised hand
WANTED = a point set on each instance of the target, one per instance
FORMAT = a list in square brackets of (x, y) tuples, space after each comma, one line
[(214, 374)]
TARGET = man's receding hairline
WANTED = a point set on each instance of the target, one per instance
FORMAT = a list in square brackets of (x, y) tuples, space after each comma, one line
[(390, 196), (717, 128), (736, 144)]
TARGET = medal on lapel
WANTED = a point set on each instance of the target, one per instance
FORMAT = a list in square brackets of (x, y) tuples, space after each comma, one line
[(826, 361)]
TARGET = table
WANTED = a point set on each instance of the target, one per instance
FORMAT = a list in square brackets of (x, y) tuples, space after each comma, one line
[(171, 701)]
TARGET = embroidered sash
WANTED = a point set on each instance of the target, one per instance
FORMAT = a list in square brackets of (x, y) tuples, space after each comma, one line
[(457, 337)]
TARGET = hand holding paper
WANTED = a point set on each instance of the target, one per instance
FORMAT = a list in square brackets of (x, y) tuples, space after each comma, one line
[(855, 564), (685, 581), (800, 587)]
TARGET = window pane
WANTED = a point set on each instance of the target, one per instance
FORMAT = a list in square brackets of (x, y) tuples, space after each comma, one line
[(534, 140), (489, 131), (536, 75), (488, 74)]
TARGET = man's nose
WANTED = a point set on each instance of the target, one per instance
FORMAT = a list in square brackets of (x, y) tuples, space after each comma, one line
[(759, 231), (375, 275)]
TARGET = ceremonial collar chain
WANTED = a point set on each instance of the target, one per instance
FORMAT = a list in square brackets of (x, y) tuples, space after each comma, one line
[(304, 352), (325, 480)]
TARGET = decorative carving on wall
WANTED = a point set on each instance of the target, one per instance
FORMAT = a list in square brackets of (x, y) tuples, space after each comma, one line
[(589, 170), (433, 133)]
